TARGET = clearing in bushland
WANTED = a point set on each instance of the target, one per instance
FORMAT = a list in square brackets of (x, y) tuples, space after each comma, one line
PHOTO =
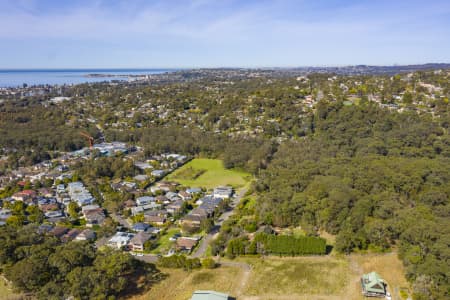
[(208, 173)]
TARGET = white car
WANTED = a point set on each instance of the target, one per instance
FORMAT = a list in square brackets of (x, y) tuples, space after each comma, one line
[(388, 296)]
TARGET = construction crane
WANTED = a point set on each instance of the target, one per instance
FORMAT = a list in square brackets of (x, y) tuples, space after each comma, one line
[(89, 138)]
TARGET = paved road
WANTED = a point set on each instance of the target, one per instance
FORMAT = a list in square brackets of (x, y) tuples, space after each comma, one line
[(207, 238)]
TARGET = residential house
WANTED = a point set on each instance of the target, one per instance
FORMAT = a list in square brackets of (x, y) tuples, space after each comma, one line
[(90, 207), (167, 186), (175, 207), (72, 234), (172, 196), (209, 295), (154, 189), (153, 231), (140, 227), (162, 199), (185, 196), (129, 186), (155, 219), (140, 177), (54, 214), (48, 207), (138, 241), (186, 244), (373, 285), (58, 231), (223, 192), (93, 214), (45, 192), (79, 193), (194, 191), (206, 210), (129, 203), (143, 165), (5, 214), (86, 235), (192, 221), (144, 200), (44, 201), (94, 217), (24, 196), (45, 228), (137, 210), (120, 239), (158, 173)]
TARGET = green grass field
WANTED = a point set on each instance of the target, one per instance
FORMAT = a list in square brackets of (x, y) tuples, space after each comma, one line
[(208, 173), (164, 244)]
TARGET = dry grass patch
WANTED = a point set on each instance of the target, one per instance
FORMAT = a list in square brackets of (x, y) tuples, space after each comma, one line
[(6, 293), (296, 277), (387, 265), (179, 285)]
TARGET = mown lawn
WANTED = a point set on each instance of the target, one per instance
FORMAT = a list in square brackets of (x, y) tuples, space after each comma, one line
[(164, 243), (208, 173)]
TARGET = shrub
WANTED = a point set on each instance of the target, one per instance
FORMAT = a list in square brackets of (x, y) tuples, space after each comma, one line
[(209, 263)]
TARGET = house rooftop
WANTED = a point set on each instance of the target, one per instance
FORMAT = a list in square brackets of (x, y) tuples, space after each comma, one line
[(140, 238), (209, 295)]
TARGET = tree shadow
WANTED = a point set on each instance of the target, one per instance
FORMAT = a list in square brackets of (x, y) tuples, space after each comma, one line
[(328, 249), (145, 276)]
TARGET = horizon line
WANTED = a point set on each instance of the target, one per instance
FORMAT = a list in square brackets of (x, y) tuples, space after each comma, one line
[(223, 67)]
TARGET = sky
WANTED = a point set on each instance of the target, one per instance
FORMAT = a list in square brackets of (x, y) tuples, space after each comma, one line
[(222, 33)]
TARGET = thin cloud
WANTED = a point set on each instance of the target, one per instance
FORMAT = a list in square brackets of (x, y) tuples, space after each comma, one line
[(213, 32)]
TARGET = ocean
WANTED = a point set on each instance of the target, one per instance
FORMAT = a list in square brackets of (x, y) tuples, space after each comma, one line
[(15, 78)]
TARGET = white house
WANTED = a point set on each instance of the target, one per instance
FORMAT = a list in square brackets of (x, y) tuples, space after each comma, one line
[(120, 239), (223, 192)]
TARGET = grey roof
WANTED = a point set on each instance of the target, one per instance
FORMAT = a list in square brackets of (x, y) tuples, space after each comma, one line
[(140, 238), (209, 295)]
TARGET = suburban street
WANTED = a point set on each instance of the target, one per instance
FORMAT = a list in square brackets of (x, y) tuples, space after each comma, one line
[(200, 251), (205, 241)]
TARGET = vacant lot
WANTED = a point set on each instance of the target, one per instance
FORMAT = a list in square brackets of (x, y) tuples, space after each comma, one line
[(296, 278), (179, 285), (299, 278), (208, 173), (317, 278)]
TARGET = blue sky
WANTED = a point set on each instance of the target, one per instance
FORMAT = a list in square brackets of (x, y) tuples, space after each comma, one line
[(222, 33)]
